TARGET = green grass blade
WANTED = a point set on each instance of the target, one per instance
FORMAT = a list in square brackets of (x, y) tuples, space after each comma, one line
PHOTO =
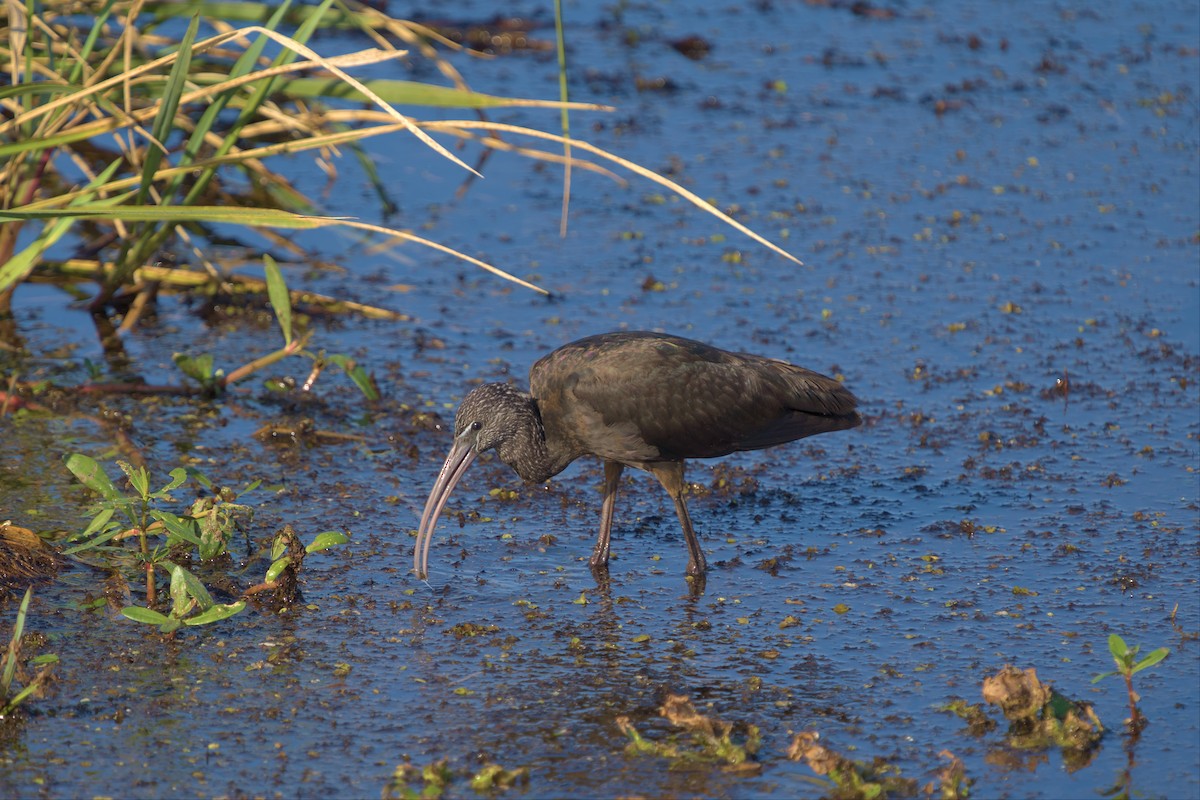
[(402, 93), (281, 301), (14, 645)]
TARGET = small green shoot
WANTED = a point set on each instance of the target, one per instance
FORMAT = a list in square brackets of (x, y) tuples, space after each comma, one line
[(187, 595), (1128, 665), (10, 658)]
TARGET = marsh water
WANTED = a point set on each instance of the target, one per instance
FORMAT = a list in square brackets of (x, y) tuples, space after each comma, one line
[(988, 203)]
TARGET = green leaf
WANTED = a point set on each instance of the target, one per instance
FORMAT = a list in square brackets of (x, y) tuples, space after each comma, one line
[(364, 380), (198, 368), (281, 301), (216, 613), (197, 590), (180, 602), (1117, 646), (199, 477), (172, 624), (14, 644), (1151, 659), (276, 569), (409, 93), (139, 479), (250, 487), (147, 615), (323, 541), (1104, 675), (97, 523), (178, 476), (178, 528), (92, 475), (18, 266)]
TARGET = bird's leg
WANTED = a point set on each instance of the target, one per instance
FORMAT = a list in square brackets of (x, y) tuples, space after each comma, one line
[(670, 475), (612, 478)]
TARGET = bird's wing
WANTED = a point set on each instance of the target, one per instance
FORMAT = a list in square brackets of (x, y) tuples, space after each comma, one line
[(638, 399)]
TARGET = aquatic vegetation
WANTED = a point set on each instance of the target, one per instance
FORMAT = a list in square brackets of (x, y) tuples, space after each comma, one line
[(1041, 718), (430, 782), (10, 663), (206, 526), (848, 779), (1128, 665), (712, 739)]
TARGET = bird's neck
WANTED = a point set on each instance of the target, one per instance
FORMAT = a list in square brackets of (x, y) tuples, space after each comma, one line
[(527, 450)]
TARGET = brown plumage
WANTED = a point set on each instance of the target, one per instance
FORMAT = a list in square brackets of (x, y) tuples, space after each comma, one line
[(645, 400)]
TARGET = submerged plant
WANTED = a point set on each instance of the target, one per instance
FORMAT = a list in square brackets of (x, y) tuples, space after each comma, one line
[(1041, 718), (712, 739), (850, 779), (1128, 665)]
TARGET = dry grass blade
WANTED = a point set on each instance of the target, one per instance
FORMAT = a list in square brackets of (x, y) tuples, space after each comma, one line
[(453, 126)]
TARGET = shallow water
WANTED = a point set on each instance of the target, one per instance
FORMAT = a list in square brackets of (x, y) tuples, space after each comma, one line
[(983, 204)]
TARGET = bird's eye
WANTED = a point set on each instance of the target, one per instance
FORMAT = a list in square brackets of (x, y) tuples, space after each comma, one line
[(476, 426)]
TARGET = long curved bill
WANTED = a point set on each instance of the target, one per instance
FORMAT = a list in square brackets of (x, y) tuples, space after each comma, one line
[(460, 457)]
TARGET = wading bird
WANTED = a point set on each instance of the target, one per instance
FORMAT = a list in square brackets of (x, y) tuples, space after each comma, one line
[(644, 400)]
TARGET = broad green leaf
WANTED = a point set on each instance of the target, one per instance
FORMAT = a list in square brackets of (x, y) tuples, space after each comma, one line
[(1151, 659), (178, 476), (147, 615), (196, 589), (198, 368), (98, 522), (177, 527), (213, 530), (172, 624), (323, 541), (1117, 646), (180, 601), (92, 475), (216, 613), (276, 569), (281, 301)]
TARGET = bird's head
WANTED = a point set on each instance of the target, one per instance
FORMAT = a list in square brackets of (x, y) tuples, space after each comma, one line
[(491, 417)]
